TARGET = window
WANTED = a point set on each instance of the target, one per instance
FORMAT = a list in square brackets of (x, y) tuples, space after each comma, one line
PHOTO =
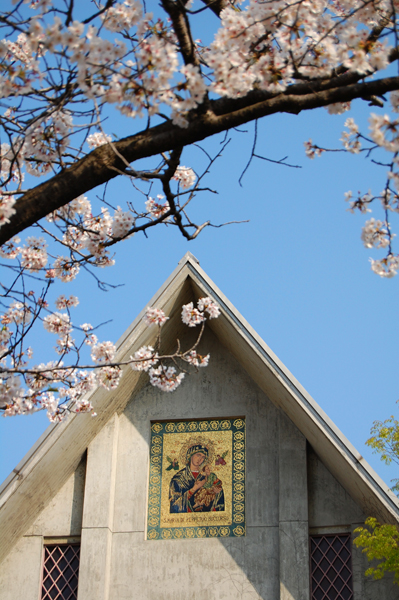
[(331, 567), (60, 572)]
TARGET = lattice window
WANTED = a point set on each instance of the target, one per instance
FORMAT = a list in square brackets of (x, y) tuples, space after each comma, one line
[(60, 572), (331, 567)]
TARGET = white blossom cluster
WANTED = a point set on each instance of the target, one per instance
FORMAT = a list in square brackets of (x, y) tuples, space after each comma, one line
[(376, 233), (61, 390), (6, 208), (167, 378), (185, 176), (88, 234), (194, 316), (157, 209), (268, 44), (58, 80)]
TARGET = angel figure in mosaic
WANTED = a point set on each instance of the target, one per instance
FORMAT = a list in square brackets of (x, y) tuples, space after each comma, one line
[(220, 459), (173, 464), (195, 488)]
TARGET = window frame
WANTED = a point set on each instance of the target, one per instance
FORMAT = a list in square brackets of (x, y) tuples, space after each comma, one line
[(347, 544), (63, 546)]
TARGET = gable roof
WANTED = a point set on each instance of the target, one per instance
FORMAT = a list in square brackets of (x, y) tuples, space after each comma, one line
[(55, 456)]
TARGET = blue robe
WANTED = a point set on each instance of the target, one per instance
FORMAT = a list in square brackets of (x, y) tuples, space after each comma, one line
[(180, 499)]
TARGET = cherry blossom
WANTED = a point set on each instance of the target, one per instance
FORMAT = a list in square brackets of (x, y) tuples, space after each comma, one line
[(185, 176), (62, 79), (34, 255), (155, 316), (197, 360), (386, 267), (58, 323), (6, 208), (144, 358), (103, 352), (62, 302), (209, 305), (108, 377), (94, 140), (191, 316), (165, 378), (375, 233), (156, 209)]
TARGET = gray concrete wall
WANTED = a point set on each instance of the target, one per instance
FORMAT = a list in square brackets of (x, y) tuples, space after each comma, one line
[(270, 562), (332, 510), (60, 521), (289, 492)]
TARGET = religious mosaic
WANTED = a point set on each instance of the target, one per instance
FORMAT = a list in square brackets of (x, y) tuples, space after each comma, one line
[(197, 479)]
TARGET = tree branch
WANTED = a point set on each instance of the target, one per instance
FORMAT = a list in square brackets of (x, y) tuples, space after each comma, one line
[(99, 166)]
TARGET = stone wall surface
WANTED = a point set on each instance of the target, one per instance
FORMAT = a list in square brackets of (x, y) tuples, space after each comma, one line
[(289, 492)]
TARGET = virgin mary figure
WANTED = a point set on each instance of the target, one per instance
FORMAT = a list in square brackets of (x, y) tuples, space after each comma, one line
[(186, 490)]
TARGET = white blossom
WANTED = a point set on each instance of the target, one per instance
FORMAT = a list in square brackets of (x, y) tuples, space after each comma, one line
[(34, 254), (165, 378), (191, 316), (94, 140), (386, 267), (7, 209), (58, 323), (197, 359), (185, 176), (375, 233), (103, 352), (144, 358), (155, 316), (210, 306)]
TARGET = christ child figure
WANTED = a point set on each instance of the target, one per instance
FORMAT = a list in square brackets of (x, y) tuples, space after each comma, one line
[(209, 490)]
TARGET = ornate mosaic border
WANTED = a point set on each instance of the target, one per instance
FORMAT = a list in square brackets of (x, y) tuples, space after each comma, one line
[(158, 512)]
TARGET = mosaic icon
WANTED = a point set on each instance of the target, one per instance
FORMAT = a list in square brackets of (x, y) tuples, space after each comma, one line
[(195, 468)]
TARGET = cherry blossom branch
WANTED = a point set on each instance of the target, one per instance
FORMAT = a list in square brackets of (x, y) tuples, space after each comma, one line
[(97, 167), (75, 381)]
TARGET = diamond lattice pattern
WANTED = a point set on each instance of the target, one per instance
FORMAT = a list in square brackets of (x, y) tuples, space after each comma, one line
[(60, 572), (331, 567)]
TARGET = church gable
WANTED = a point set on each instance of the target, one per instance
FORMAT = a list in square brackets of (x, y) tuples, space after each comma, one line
[(272, 506)]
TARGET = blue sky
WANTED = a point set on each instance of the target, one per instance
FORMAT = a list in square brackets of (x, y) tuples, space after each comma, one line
[(297, 272)]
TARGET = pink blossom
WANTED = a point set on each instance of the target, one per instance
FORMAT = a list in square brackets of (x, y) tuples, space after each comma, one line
[(191, 316), (34, 254), (210, 306), (144, 358), (6, 208), (95, 140), (58, 323), (185, 176), (103, 352), (10, 249), (64, 302), (156, 209), (64, 269), (386, 267), (197, 360), (108, 377), (375, 233), (165, 378), (155, 316)]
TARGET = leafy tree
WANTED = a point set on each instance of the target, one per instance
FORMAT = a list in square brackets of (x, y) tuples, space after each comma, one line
[(66, 70), (381, 542)]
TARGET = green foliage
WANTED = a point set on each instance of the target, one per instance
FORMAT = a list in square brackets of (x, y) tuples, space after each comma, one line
[(380, 542), (385, 441)]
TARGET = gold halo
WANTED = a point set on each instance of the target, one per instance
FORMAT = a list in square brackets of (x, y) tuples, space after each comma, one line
[(194, 441)]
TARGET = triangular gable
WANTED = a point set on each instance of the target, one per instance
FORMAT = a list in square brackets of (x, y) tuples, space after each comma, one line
[(55, 456)]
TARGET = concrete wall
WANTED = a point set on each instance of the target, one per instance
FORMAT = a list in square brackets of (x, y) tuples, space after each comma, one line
[(60, 521), (289, 493)]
